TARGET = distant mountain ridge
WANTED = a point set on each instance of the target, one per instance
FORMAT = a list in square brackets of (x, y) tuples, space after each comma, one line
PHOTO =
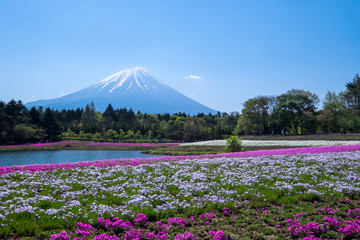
[(131, 88)]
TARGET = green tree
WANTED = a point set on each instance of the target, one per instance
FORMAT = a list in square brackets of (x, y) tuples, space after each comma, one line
[(109, 114), (111, 134), (256, 112), (129, 135), (51, 127), (291, 108), (333, 102), (353, 93), (34, 116), (233, 144), (24, 133), (89, 115)]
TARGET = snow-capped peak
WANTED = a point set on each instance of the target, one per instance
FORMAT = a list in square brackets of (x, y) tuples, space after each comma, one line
[(131, 79)]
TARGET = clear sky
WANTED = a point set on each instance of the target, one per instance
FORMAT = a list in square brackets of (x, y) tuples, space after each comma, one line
[(220, 53)]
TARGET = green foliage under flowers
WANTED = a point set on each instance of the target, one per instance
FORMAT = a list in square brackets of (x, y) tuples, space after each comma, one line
[(233, 144)]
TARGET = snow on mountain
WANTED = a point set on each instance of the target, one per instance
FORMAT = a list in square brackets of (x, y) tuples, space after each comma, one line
[(131, 88), (130, 78)]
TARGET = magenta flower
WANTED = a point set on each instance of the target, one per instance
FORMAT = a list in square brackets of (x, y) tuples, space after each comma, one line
[(60, 236), (219, 235)]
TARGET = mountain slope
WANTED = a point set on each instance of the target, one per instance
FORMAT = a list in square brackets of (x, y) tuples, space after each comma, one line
[(131, 88)]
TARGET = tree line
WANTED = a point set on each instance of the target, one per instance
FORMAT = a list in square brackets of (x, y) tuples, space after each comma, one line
[(294, 112), (298, 112)]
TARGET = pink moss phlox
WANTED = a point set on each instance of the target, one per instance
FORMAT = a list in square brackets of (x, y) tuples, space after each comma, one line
[(297, 216), (331, 221), (116, 224), (82, 232), (219, 235), (326, 210), (133, 234), (351, 228), (311, 238), (295, 228), (103, 236), (141, 219), (226, 211), (60, 236), (186, 235), (85, 227), (209, 215), (162, 234), (178, 222), (353, 213)]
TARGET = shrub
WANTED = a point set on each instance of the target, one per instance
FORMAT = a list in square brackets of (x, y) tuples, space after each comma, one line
[(233, 144)]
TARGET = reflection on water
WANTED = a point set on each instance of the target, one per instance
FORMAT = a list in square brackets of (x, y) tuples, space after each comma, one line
[(64, 156)]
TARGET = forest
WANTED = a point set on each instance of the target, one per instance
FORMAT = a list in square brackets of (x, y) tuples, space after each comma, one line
[(294, 112)]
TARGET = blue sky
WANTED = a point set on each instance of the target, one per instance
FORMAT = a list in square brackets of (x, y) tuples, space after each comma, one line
[(238, 49)]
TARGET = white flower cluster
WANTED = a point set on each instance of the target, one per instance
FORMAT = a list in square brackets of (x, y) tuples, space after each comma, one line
[(289, 143)]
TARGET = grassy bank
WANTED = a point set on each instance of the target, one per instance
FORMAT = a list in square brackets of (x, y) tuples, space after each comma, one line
[(80, 145), (202, 150)]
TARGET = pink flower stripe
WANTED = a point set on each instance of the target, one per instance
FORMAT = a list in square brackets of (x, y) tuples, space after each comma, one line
[(138, 161), (109, 144), (38, 144)]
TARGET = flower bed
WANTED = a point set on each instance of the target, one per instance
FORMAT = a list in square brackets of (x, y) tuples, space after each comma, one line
[(225, 196), (137, 161), (294, 143)]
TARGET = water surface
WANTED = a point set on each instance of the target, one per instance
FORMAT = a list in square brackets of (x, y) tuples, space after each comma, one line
[(65, 156)]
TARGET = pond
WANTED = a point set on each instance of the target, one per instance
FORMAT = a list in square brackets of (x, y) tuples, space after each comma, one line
[(65, 156)]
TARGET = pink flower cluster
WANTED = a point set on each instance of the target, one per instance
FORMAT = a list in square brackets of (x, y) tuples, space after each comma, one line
[(313, 229), (295, 228), (226, 211), (219, 235), (352, 228), (103, 236), (178, 222), (141, 219), (186, 235), (114, 223), (38, 144), (130, 231), (85, 227), (110, 144), (209, 215), (326, 210), (60, 236)]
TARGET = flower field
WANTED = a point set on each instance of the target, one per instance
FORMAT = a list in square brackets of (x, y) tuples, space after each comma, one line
[(304, 193), (284, 143)]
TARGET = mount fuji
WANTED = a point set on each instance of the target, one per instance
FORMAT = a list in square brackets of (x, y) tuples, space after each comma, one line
[(131, 88)]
